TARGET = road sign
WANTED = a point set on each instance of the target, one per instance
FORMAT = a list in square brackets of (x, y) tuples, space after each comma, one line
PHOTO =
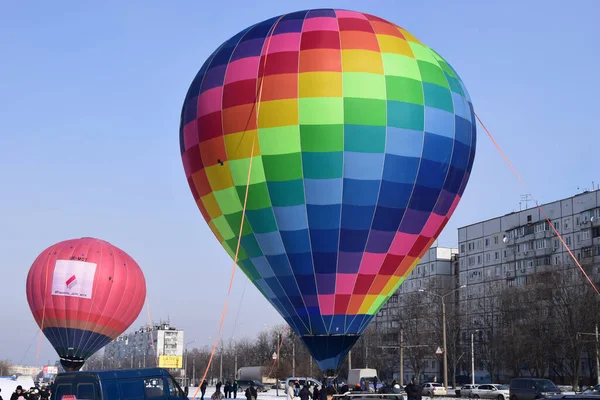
[(439, 351)]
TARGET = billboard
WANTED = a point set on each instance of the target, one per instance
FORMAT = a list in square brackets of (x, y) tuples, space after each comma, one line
[(170, 361), (50, 370)]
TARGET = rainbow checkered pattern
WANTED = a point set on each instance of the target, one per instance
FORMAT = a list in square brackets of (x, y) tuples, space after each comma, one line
[(364, 142)]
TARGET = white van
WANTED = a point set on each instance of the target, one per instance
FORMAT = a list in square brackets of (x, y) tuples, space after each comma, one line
[(362, 376), (302, 381)]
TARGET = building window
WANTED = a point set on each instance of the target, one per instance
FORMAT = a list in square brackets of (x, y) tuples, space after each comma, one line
[(497, 255), (462, 248), (479, 244), (568, 240), (566, 223), (487, 242), (478, 260), (585, 235), (556, 225), (495, 239), (529, 218)]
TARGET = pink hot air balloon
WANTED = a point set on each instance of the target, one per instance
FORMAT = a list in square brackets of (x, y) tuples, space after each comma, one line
[(83, 293)]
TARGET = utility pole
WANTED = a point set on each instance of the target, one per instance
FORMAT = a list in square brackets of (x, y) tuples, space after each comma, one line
[(445, 348), (597, 359), (194, 370), (235, 365), (473, 356), (596, 335), (221, 367), (277, 362), (366, 352), (293, 358), (349, 360), (401, 377)]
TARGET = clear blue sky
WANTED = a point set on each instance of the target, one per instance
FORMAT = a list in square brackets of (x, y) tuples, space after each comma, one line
[(90, 96)]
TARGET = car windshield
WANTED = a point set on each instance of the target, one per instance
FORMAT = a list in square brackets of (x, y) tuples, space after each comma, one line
[(436, 384), (501, 387), (546, 386)]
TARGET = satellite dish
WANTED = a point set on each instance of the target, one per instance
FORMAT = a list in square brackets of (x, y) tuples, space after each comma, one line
[(505, 240)]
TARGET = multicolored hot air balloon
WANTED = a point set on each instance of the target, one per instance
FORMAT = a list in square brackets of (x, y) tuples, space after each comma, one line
[(83, 293), (363, 141)]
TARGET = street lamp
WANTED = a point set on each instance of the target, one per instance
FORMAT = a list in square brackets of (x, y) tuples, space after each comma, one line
[(442, 297), (185, 362), (473, 357)]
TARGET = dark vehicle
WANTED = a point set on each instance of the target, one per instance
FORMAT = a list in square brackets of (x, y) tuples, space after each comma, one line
[(532, 389), (130, 384), (244, 384)]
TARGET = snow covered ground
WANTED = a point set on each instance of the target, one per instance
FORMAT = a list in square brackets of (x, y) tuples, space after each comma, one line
[(272, 395)]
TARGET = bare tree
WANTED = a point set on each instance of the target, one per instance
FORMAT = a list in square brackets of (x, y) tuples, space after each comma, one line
[(413, 317), (5, 366)]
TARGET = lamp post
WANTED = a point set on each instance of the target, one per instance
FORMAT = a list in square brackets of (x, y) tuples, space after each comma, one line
[(473, 356), (185, 356), (443, 297)]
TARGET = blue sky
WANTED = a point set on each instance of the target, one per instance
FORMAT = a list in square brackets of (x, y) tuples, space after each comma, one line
[(90, 97)]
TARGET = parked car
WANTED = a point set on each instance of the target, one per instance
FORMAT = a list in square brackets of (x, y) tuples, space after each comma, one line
[(244, 384), (466, 390), (433, 389), (491, 391), (532, 389)]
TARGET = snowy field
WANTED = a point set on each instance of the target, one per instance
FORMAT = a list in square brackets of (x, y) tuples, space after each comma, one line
[(272, 395)]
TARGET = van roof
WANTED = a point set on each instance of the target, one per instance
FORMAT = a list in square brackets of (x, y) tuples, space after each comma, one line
[(119, 373)]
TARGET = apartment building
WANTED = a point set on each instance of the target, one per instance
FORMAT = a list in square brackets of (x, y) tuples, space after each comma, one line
[(139, 348), (508, 251)]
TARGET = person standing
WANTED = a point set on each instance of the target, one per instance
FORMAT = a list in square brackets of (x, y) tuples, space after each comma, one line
[(19, 394), (251, 393), (413, 392), (315, 394), (227, 389), (304, 393), (203, 387), (235, 388), (217, 395), (291, 391)]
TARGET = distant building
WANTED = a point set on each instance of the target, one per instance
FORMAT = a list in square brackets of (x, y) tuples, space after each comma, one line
[(25, 370), (437, 269), (137, 349)]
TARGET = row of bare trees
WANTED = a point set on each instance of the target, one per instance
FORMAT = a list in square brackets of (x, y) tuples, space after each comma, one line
[(542, 327)]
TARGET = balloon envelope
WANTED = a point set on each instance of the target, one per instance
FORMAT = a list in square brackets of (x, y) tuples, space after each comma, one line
[(83, 293), (364, 139)]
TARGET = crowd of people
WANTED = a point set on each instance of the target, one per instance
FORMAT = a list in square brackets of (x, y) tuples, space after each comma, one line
[(34, 393)]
